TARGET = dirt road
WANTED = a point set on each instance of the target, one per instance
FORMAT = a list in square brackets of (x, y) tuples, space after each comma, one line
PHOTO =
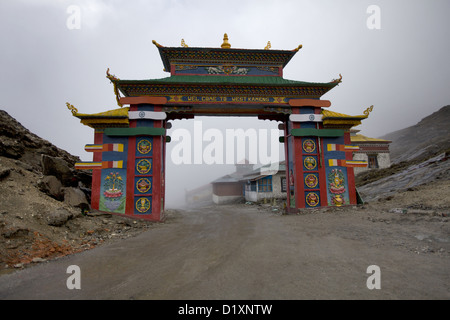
[(251, 252)]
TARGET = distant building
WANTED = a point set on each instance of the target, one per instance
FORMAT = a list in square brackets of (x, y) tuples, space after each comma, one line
[(263, 184), (374, 151), (230, 188), (250, 184)]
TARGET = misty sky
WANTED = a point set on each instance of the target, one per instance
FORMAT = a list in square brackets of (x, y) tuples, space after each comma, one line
[(402, 69)]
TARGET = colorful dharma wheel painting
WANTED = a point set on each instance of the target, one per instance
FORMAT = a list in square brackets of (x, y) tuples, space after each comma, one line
[(309, 146), (312, 199), (311, 181), (310, 163), (144, 146), (142, 205), (143, 166), (143, 185)]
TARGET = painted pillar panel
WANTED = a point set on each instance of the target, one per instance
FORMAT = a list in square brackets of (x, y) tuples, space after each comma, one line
[(297, 166), (322, 176), (113, 188), (350, 171), (336, 176), (131, 167), (96, 174), (130, 174), (157, 170), (311, 185), (143, 186), (289, 164), (148, 169), (312, 163)]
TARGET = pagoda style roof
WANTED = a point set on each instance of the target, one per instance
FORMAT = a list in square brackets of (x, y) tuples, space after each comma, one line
[(333, 119), (223, 74), (223, 55), (224, 85), (359, 138), (227, 80), (112, 118)]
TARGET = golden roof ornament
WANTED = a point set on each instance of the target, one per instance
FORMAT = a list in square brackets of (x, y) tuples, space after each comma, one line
[(111, 76), (368, 110), (337, 80), (71, 108), (225, 44), (114, 80), (183, 44), (157, 44), (298, 48), (268, 46)]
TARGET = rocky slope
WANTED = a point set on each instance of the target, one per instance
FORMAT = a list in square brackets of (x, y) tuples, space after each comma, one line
[(45, 211), (428, 137)]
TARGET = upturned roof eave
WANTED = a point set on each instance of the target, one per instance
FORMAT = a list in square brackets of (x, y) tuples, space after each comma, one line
[(166, 60)]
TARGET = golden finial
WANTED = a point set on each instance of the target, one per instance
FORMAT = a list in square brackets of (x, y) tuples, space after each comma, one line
[(268, 46), (298, 48), (183, 44), (368, 110), (225, 44), (71, 108)]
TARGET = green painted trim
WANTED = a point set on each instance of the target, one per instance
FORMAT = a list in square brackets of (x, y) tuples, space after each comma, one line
[(317, 132), (139, 131), (168, 139), (281, 139)]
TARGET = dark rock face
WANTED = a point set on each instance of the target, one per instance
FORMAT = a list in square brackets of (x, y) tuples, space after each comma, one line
[(17, 142), (56, 166)]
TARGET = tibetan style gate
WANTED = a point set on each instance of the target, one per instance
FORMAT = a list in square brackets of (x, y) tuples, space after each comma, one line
[(130, 142)]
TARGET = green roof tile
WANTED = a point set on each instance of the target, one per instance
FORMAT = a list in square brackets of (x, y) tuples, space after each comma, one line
[(249, 80)]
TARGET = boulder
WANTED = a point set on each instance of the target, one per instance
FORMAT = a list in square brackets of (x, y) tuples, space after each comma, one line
[(75, 197), (59, 217), (4, 172), (51, 186), (58, 167)]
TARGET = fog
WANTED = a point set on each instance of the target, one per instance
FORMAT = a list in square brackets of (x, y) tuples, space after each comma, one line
[(401, 68)]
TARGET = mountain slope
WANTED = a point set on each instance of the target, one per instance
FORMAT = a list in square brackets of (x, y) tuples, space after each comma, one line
[(427, 138)]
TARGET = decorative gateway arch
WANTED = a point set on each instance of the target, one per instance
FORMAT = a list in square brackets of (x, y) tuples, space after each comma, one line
[(130, 142)]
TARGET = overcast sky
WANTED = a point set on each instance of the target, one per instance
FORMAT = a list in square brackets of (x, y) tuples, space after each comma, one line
[(402, 68)]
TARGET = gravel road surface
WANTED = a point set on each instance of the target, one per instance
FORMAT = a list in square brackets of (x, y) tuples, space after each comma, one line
[(251, 252)]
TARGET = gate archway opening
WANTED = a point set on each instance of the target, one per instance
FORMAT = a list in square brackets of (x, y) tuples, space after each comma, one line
[(207, 153), (130, 142)]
